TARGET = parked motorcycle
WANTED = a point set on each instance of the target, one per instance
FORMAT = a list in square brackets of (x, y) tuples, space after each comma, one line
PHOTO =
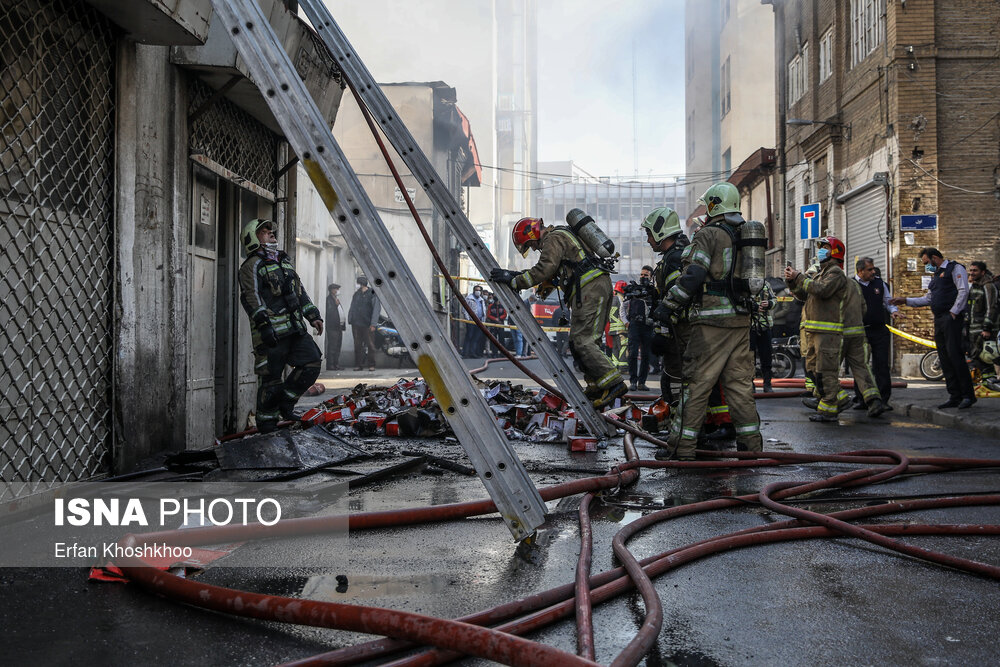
[(785, 353), (388, 340)]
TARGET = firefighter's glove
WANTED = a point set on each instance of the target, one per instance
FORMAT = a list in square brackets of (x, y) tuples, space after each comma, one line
[(662, 313), (268, 336), (505, 276)]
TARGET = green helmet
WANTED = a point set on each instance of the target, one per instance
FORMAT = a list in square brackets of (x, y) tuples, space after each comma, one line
[(662, 223), (249, 235), (990, 353), (721, 198)]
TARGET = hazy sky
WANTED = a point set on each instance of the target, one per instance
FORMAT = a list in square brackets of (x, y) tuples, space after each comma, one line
[(585, 84), (584, 71)]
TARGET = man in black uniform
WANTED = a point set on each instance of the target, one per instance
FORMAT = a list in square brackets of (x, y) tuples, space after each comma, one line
[(947, 297), (334, 329), (274, 299), (878, 310)]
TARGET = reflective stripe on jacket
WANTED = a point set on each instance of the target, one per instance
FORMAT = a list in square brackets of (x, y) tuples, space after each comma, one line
[(823, 294)]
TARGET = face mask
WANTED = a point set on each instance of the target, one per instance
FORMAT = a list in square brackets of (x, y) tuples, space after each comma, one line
[(823, 254), (929, 268), (644, 280), (478, 294)]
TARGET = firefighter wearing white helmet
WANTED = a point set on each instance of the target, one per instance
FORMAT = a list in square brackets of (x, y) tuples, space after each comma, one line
[(274, 299), (715, 296)]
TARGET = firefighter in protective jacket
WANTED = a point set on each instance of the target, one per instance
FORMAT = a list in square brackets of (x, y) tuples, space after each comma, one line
[(275, 301), (716, 298), (822, 326), (587, 289), (664, 235)]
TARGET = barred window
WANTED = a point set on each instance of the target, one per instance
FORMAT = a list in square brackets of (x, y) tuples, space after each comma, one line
[(867, 28)]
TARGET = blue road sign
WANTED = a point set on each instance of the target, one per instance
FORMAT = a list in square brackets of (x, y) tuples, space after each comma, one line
[(916, 223), (809, 221)]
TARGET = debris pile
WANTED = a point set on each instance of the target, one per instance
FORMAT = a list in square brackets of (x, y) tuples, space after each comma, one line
[(408, 409)]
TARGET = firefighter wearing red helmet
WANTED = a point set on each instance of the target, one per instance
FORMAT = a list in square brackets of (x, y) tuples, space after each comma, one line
[(587, 289), (822, 326), (618, 328)]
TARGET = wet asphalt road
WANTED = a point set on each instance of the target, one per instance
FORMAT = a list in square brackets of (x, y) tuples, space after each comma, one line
[(820, 602)]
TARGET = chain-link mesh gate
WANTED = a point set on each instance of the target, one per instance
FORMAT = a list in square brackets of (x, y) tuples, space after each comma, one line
[(56, 262)]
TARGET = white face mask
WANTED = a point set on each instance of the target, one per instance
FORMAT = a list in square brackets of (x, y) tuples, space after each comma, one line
[(271, 247)]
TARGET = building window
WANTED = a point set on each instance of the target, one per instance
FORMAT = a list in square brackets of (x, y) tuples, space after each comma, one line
[(798, 75), (690, 137), (726, 10), (867, 28), (727, 162), (826, 56), (725, 95)]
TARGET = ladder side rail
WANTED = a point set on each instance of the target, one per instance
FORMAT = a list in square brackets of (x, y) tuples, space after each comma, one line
[(422, 169), (466, 410)]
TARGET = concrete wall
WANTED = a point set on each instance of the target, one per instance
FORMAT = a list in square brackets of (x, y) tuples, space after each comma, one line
[(746, 40), (151, 222)]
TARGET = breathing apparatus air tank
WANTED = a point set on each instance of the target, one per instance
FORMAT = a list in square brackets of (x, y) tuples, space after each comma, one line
[(754, 242), (592, 236)]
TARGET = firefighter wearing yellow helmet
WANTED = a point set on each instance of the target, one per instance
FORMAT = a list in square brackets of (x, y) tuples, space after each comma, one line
[(714, 294)]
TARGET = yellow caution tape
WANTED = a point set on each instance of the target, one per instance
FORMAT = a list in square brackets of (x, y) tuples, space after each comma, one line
[(469, 278), (915, 339), (507, 326)]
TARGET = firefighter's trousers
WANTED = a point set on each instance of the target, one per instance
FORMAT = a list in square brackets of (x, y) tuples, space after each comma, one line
[(822, 356), (717, 355), (586, 329), (855, 353), (619, 351)]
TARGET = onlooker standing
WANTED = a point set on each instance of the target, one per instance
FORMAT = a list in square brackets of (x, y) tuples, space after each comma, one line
[(947, 297), (983, 313), (363, 317), (335, 325), (877, 313), (496, 314), (760, 333), (473, 348), (640, 335)]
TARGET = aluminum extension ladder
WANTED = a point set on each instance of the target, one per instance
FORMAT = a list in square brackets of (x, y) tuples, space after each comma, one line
[(463, 405), (397, 133)]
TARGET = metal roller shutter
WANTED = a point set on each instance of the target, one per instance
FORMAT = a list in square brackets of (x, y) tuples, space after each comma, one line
[(866, 226)]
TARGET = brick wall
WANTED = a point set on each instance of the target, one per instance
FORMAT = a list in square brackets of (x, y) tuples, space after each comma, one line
[(929, 114)]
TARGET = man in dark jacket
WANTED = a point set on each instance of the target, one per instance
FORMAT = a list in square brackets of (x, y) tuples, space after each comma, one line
[(948, 297), (640, 335), (334, 328), (363, 318), (274, 299)]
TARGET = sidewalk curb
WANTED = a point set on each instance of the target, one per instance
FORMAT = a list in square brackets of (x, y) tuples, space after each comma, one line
[(950, 420)]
